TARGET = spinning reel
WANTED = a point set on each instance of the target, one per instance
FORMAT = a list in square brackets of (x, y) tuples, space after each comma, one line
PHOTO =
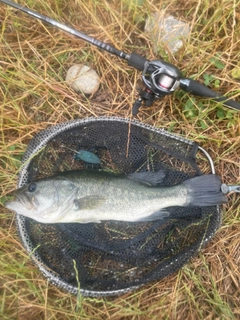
[(159, 77)]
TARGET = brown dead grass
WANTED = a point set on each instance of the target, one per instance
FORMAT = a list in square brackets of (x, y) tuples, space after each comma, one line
[(34, 58)]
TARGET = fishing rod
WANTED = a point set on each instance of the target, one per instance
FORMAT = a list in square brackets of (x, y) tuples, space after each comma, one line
[(159, 77)]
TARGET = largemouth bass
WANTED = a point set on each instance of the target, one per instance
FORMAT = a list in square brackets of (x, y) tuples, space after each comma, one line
[(95, 196)]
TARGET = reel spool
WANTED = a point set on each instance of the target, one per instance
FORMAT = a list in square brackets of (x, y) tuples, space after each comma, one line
[(111, 258)]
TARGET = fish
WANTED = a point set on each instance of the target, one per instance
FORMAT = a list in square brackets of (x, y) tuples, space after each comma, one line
[(94, 196), (87, 156)]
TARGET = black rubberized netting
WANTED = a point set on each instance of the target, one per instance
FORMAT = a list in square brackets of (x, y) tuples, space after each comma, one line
[(114, 257)]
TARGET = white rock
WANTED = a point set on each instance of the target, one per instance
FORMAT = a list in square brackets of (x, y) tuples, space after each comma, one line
[(83, 79), (166, 30)]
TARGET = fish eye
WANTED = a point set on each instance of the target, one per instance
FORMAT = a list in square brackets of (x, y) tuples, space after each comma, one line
[(32, 187)]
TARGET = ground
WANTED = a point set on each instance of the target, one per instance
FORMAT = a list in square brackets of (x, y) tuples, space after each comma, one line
[(34, 58)]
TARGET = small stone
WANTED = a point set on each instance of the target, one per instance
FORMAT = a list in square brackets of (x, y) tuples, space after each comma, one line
[(166, 30), (83, 79)]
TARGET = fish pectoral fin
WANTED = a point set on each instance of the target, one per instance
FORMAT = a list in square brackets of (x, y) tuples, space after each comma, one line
[(88, 202), (148, 178), (161, 214)]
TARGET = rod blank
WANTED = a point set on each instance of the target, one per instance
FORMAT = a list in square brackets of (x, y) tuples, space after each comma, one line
[(59, 25)]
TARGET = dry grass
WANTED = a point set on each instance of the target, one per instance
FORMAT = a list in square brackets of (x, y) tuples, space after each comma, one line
[(34, 58)]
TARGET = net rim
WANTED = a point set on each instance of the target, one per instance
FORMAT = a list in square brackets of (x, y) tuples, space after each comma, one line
[(51, 132)]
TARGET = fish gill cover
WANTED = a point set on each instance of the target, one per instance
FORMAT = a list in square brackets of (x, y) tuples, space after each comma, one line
[(114, 257)]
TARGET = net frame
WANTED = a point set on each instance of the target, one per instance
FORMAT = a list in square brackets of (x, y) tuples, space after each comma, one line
[(39, 142)]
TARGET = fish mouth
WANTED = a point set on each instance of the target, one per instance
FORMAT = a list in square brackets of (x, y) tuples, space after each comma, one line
[(21, 201)]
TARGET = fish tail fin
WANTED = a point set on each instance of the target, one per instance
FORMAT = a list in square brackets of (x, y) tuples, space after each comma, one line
[(205, 191)]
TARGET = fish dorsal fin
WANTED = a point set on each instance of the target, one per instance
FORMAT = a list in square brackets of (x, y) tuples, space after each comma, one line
[(88, 202), (149, 178)]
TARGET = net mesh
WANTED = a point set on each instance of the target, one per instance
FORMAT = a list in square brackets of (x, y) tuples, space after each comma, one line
[(114, 257)]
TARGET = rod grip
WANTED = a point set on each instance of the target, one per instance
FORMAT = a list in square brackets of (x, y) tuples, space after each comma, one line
[(201, 90), (137, 61)]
